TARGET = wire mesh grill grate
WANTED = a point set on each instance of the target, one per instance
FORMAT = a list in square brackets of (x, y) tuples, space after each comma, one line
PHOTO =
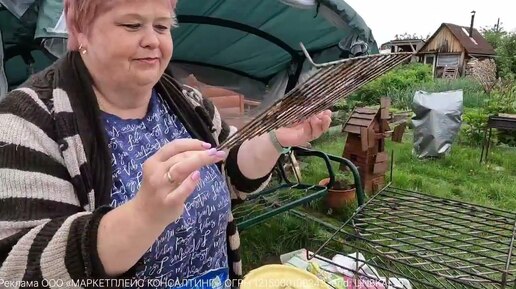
[(332, 82), (433, 242)]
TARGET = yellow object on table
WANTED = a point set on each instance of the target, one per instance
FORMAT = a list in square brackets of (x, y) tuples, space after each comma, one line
[(334, 280), (281, 277)]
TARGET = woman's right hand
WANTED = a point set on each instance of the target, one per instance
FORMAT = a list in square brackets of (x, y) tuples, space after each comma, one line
[(169, 177)]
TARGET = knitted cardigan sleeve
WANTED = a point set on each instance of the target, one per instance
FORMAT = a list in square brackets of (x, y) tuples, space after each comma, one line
[(46, 232)]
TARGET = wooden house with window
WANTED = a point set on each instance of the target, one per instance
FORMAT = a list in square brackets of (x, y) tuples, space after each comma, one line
[(451, 47)]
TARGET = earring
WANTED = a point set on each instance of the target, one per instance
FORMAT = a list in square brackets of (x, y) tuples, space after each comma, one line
[(81, 49)]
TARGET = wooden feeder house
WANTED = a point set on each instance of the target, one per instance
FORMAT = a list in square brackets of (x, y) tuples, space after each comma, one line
[(367, 129)]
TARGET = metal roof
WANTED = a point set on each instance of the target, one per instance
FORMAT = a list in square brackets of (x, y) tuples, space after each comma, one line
[(475, 45)]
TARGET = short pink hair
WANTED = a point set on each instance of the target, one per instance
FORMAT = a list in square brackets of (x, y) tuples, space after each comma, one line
[(81, 13)]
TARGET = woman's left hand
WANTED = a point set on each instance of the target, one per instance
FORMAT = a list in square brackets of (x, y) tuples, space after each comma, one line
[(306, 131)]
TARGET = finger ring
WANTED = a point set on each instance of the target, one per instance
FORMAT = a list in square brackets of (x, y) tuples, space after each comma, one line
[(169, 177)]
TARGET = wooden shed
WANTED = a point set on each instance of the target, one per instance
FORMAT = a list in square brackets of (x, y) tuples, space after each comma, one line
[(451, 47), (367, 129)]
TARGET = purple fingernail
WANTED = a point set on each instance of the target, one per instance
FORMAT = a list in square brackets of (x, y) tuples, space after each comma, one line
[(221, 154), (212, 152), (206, 145), (196, 175)]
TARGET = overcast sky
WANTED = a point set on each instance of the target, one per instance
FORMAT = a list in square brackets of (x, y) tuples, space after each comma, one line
[(391, 17)]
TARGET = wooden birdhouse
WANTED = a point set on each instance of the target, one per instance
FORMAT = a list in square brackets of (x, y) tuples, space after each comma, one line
[(367, 129)]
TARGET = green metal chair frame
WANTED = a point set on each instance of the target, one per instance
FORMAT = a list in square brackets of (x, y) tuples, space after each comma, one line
[(261, 206)]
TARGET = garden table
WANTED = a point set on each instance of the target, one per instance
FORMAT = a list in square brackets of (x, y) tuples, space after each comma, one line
[(502, 121)]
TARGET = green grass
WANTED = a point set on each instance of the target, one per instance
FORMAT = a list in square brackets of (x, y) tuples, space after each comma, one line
[(473, 93), (458, 176)]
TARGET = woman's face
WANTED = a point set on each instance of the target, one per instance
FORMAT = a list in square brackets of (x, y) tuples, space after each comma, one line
[(130, 44)]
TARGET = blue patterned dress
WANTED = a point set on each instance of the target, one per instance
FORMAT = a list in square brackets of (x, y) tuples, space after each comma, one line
[(195, 245)]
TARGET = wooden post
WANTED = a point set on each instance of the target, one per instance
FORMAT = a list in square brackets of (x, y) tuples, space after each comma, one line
[(364, 138), (462, 63), (434, 65), (385, 104)]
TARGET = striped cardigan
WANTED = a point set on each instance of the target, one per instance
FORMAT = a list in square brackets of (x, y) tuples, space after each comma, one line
[(54, 185)]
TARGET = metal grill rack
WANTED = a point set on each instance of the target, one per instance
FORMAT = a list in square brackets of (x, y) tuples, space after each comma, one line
[(332, 81), (432, 242)]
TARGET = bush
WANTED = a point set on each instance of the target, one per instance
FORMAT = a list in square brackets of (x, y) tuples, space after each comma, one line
[(472, 132), (506, 61), (402, 83), (501, 100), (399, 79), (474, 94)]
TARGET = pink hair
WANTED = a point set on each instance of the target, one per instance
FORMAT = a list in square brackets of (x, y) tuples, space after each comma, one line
[(80, 14)]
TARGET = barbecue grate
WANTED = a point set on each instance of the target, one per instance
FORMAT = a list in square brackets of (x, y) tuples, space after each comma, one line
[(431, 241), (333, 81)]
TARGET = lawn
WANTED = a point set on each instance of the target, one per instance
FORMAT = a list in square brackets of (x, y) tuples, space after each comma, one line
[(458, 176)]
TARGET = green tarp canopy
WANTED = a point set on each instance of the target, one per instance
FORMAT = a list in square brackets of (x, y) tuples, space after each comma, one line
[(259, 38), (256, 39)]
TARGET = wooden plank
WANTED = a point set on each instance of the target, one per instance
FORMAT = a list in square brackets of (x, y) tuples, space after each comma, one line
[(381, 145), (366, 110), (364, 138), (397, 135), (371, 139), (462, 63), (359, 122), (507, 115), (378, 184), (385, 125), (444, 41), (384, 113), (369, 116), (381, 157), (379, 136), (385, 105), (352, 129), (380, 168), (385, 102)]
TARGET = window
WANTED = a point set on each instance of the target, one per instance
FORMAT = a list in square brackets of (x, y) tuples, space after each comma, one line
[(448, 60), (429, 59)]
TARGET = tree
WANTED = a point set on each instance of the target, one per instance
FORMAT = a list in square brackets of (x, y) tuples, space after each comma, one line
[(407, 36), (507, 55), (494, 35), (504, 44)]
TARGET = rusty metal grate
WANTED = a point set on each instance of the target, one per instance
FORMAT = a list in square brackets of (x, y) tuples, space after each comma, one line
[(333, 81), (432, 242)]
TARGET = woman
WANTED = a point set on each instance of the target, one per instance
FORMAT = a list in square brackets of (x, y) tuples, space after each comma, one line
[(107, 164)]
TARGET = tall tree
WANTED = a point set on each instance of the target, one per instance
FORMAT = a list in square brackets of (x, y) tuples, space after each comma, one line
[(505, 45)]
